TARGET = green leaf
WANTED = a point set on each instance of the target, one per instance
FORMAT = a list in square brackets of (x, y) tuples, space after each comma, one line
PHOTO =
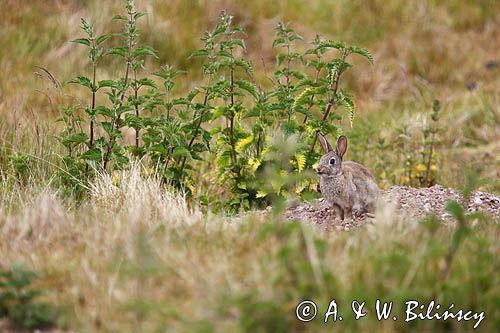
[(120, 51), (133, 121), (145, 51), (278, 41), (346, 101), (108, 83), (181, 152), (361, 51), (199, 53), (138, 15), (83, 41), (245, 64), (247, 86), (93, 154), (280, 58), (120, 17), (329, 44), (219, 111), (147, 82), (199, 147), (296, 37), (102, 110), (240, 43), (102, 39), (224, 53), (74, 139), (243, 143), (108, 127), (304, 98), (301, 161), (456, 210), (83, 81)]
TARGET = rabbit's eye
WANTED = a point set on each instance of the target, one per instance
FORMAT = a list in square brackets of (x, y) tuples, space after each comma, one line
[(332, 161)]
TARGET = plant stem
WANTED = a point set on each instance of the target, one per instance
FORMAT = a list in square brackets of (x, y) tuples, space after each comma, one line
[(92, 107), (117, 119), (289, 111), (312, 97), (231, 120), (191, 142), (328, 108), (136, 89)]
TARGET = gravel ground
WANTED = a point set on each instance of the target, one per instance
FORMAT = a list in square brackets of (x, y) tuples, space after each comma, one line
[(417, 202)]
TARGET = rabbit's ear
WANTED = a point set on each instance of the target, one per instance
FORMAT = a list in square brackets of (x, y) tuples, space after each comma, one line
[(324, 143), (341, 146)]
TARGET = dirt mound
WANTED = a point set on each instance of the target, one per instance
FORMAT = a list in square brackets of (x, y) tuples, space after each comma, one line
[(417, 202)]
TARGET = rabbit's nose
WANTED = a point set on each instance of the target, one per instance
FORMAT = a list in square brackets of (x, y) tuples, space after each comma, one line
[(320, 169)]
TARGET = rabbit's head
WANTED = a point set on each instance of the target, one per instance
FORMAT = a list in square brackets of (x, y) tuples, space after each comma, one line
[(330, 164)]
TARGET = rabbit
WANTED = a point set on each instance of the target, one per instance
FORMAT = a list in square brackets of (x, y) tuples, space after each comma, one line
[(348, 186)]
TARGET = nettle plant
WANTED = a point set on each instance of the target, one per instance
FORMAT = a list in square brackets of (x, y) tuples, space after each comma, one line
[(256, 142), (418, 150)]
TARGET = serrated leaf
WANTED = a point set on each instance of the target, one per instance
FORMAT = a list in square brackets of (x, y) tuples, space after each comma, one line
[(93, 154), (301, 161), (145, 51), (74, 139), (120, 51), (224, 53), (248, 87), (102, 39), (108, 83), (348, 103), (329, 44), (243, 143), (303, 98), (245, 64), (102, 110), (82, 80), (181, 152), (148, 82), (219, 111), (199, 147), (108, 127), (362, 51), (199, 53), (83, 41), (240, 43)]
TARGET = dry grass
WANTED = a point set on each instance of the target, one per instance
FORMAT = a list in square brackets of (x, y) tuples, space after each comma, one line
[(135, 258)]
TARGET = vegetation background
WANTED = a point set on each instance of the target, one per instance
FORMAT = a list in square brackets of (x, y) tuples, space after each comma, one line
[(133, 257)]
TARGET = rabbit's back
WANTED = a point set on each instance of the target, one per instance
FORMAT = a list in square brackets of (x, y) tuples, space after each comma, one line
[(357, 170)]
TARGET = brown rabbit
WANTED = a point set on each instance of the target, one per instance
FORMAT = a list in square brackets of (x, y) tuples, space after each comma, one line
[(348, 186)]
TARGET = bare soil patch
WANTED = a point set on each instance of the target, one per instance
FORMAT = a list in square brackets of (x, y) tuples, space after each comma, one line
[(416, 202)]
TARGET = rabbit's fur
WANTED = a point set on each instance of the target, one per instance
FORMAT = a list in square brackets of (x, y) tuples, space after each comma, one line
[(347, 186)]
